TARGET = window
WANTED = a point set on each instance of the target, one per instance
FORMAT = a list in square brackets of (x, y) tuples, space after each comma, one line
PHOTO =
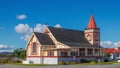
[(74, 53), (50, 53), (90, 52), (34, 48), (82, 52), (64, 53), (97, 52)]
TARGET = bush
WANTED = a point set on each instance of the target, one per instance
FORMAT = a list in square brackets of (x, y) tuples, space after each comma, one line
[(73, 62), (3, 61), (93, 61), (106, 60), (84, 61), (62, 63), (18, 61), (68, 62)]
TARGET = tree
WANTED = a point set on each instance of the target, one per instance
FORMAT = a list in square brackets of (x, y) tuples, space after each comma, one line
[(107, 55), (20, 53), (23, 54)]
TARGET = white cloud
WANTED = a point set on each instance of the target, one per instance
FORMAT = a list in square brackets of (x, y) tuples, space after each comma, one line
[(39, 28), (26, 30), (23, 29), (117, 44), (109, 44), (25, 37), (5, 48), (21, 17), (57, 26)]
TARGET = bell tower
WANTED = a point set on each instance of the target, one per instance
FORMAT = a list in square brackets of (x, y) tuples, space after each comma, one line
[(92, 32)]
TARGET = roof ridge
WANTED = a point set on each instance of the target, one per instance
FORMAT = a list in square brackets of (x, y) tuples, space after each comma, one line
[(39, 32), (66, 29)]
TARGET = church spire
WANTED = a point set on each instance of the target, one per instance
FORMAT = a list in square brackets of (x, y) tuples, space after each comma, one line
[(92, 24)]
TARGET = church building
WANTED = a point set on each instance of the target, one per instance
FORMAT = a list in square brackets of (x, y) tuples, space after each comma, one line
[(61, 44)]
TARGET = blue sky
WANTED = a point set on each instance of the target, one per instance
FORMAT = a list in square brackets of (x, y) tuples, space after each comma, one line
[(73, 14)]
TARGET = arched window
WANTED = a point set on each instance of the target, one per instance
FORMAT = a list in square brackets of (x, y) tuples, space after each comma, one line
[(34, 48)]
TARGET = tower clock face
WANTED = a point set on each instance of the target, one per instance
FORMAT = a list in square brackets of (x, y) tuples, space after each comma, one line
[(89, 37)]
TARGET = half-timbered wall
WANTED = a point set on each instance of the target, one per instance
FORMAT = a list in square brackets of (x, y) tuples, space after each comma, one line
[(30, 47)]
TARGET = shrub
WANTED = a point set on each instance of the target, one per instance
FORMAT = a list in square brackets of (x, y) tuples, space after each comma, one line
[(93, 61), (106, 60), (62, 63), (3, 61), (68, 62), (18, 61), (73, 62)]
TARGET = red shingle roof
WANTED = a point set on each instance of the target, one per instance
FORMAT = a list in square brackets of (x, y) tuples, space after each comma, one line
[(111, 50), (92, 24)]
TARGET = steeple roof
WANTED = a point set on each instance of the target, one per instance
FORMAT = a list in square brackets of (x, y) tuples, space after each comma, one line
[(92, 24)]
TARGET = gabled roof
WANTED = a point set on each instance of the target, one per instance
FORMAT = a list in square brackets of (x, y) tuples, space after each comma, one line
[(72, 38), (44, 39), (68, 35), (92, 24)]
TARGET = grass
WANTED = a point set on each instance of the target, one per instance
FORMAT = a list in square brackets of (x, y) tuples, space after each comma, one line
[(100, 63), (34, 64)]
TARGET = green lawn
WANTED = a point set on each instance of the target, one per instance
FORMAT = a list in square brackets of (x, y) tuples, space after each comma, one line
[(35, 64), (100, 63)]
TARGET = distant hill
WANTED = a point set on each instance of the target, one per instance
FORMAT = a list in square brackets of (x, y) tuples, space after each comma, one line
[(6, 52)]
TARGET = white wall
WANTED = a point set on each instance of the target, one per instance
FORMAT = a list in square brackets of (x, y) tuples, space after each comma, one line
[(55, 60), (43, 60), (50, 60), (35, 60)]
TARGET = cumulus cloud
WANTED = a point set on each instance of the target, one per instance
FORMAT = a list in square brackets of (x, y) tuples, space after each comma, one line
[(21, 17), (117, 44), (109, 44), (39, 28), (26, 30), (5, 48), (23, 28), (25, 37), (57, 26)]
